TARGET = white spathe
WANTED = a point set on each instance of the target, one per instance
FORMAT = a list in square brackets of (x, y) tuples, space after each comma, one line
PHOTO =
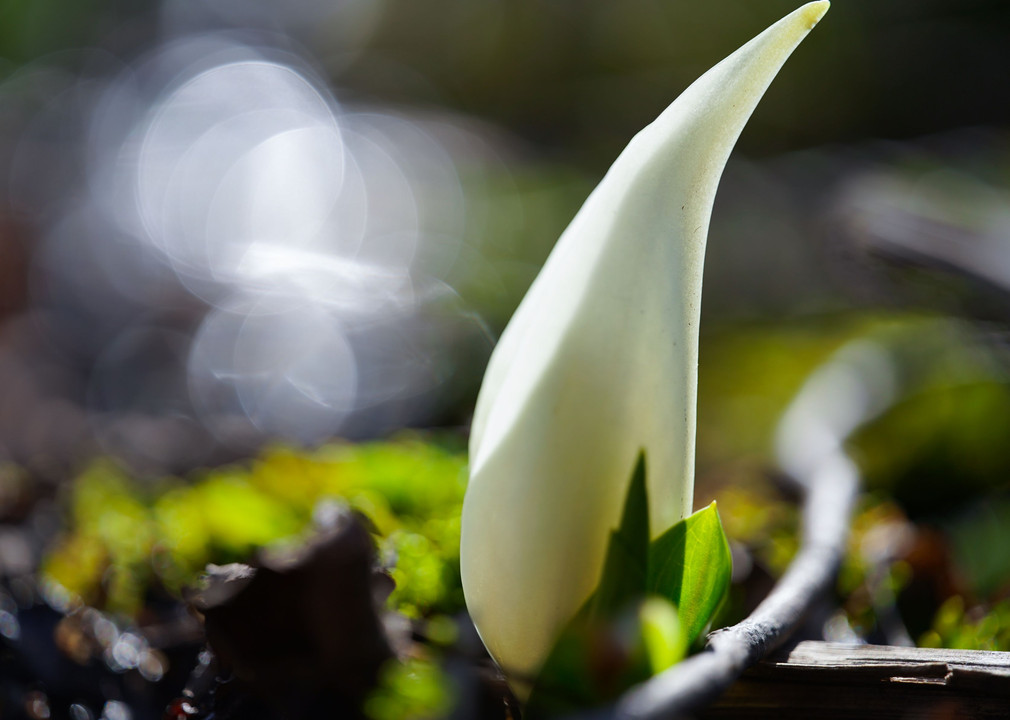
[(600, 361)]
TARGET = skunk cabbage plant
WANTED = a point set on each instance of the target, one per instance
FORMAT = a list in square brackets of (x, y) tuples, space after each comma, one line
[(599, 364)]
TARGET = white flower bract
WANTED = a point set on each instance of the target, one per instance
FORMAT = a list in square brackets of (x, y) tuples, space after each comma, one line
[(600, 362)]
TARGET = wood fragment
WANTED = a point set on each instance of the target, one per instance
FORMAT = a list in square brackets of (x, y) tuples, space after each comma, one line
[(830, 680)]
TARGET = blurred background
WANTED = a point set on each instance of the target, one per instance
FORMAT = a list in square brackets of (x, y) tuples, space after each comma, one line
[(226, 222), (231, 224)]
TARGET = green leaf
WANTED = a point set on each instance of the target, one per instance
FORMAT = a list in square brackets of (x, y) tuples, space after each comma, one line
[(602, 651), (654, 600), (597, 659), (690, 565), (565, 682), (410, 690), (624, 569), (665, 643)]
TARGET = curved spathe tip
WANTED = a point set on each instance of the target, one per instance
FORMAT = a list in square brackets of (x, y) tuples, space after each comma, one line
[(813, 12)]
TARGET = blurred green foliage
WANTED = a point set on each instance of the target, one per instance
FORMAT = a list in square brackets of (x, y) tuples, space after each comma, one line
[(416, 689), (942, 442), (747, 375), (983, 627), (763, 521), (935, 463), (980, 544), (123, 537), (584, 76), (978, 616), (930, 536), (29, 28)]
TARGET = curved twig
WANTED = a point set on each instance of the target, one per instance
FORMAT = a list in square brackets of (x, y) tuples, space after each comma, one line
[(857, 384)]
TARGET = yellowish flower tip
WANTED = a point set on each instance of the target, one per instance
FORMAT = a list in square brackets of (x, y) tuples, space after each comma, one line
[(813, 12)]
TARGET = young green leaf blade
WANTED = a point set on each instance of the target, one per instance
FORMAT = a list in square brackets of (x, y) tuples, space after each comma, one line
[(690, 565), (626, 565), (565, 683), (662, 638), (591, 662), (597, 659)]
